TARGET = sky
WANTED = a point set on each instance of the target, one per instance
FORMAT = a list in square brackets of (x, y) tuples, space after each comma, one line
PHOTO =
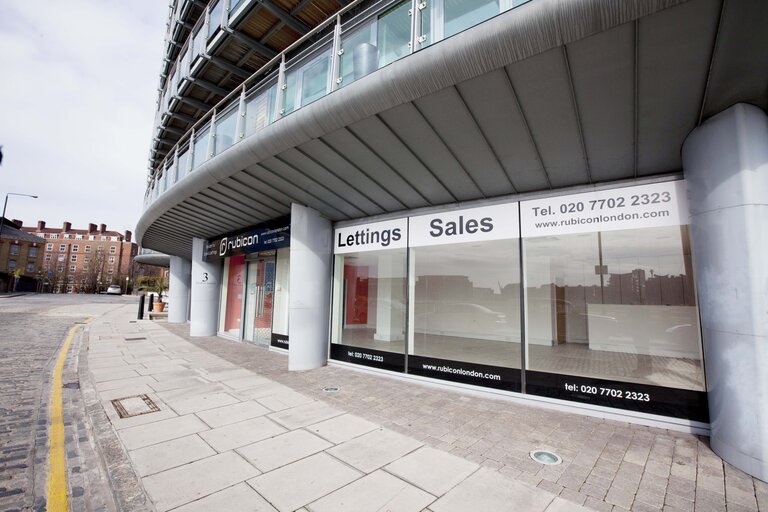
[(78, 84)]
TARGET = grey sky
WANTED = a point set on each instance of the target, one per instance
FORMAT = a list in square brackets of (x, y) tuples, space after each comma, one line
[(78, 85)]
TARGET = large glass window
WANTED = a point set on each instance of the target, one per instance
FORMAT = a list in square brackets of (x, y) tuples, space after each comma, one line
[(306, 83), (394, 34), (215, 18), (226, 127), (462, 14), (259, 110), (200, 151), (360, 55), (617, 305), (369, 302), (182, 164), (467, 302)]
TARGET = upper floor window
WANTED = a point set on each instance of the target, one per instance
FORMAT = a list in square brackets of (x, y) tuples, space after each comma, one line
[(87, 248), (33, 252), (54, 236), (62, 247), (14, 250), (75, 248), (73, 257), (12, 265), (49, 247), (112, 250)]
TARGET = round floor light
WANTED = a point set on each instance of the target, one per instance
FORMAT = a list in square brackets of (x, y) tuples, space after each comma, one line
[(330, 389), (545, 457)]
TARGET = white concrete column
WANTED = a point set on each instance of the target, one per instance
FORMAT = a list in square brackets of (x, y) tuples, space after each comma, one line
[(310, 288), (725, 161), (206, 289), (178, 289)]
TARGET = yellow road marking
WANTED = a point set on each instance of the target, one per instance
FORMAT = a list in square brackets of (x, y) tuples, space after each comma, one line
[(57, 466)]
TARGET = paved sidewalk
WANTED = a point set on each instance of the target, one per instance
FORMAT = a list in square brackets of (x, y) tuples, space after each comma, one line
[(235, 430)]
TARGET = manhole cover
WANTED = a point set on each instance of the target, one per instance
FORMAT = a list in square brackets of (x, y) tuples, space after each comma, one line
[(135, 338), (545, 457), (134, 406), (331, 389)]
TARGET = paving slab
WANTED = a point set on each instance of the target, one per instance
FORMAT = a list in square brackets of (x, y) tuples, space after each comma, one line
[(160, 431), (488, 490), (170, 454), (374, 449), (283, 449), (199, 403), (240, 498), (302, 415), (342, 428), (193, 481), (319, 475), (374, 493), (433, 470), (234, 413), (241, 433)]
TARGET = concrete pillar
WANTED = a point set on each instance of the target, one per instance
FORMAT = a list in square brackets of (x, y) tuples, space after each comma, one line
[(725, 161), (178, 289), (206, 288), (310, 288)]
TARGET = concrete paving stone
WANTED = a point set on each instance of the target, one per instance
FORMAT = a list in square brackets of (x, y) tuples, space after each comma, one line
[(373, 493), (193, 481), (229, 373), (284, 400), (201, 402), (432, 470), (258, 392), (283, 449), (180, 374), (488, 490), (592, 503), (246, 382), (562, 505), (620, 497), (303, 415), (228, 414), (342, 428), (158, 369), (111, 361), (240, 498), (374, 449), (170, 454), (122, 423), (112, 375), (124, 392), (573, 496), (160, 431), (319, 474), (120, 383), (241, 433), (639, 506), (671, 500), (182, 383)]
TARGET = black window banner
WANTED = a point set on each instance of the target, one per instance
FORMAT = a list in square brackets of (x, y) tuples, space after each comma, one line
[(368, 357), (279, 341), (269, 236), (663, 401), (488, 376)]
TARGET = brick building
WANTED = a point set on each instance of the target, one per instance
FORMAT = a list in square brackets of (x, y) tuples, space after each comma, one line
[(20, 257), (84, 260)]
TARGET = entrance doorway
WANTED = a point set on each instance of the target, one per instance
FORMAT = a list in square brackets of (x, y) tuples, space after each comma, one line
[(259, 299)]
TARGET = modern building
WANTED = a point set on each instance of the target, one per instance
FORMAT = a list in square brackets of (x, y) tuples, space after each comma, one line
[(20, 257), (85, 260), (561, 202)]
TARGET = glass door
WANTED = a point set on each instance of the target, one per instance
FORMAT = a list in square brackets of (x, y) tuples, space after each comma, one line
[(260, 300)]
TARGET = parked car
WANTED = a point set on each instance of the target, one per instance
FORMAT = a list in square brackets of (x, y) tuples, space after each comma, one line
[(114, 290)]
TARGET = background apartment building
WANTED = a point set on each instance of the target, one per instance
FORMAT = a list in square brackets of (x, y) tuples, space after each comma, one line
[(84, 260), (20, 257)]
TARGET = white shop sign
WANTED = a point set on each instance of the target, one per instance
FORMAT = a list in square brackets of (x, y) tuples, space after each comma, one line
[(390, 234), (643, 206), (497, 222)]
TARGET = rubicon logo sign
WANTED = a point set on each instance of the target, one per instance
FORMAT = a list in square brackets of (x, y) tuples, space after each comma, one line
[(223, 246), (266, 237)]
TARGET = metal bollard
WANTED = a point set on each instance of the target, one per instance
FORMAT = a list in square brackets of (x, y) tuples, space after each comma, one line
[(150, 303), (141, 308)]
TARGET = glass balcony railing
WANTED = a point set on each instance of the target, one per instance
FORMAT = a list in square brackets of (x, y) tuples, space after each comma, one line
[(357, 47)]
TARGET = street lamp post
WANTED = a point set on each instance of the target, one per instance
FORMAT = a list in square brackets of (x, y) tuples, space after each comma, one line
[(5, 206)]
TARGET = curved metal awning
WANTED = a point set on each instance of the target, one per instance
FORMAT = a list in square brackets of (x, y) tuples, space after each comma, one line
[(551, 94)]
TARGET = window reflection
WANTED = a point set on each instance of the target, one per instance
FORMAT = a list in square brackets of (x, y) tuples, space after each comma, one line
[(200, 150), (618, 305), (394, 34), (369, 309), (462, 14), (226, 126), (467, 302)]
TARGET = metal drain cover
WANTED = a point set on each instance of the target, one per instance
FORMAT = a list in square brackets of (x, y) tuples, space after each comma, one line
[(134, 406), (331, 389), (135, 338)]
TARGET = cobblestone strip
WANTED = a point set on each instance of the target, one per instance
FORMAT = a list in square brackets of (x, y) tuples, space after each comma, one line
[(118, 474)]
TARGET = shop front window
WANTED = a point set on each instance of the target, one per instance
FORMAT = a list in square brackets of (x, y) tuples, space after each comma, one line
[(232, 293)]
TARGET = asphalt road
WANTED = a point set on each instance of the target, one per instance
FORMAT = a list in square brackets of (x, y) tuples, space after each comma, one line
[(32, 329)]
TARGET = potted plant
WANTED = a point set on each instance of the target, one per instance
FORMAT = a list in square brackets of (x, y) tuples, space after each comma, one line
[(158, 287)]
